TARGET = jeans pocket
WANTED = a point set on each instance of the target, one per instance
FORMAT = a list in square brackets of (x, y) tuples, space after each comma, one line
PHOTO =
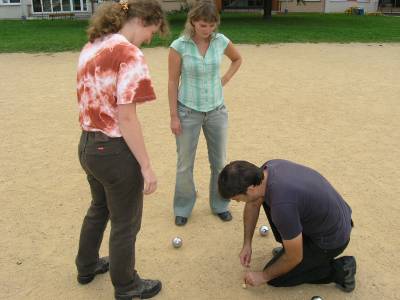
[(183, 111), (107, 168), (222, 108), (105, 160)]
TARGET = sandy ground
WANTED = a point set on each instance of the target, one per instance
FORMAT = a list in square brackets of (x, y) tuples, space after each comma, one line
[(332, 107)]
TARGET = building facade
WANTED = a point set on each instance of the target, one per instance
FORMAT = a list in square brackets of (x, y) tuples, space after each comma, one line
[(43, 9), (328, 6)]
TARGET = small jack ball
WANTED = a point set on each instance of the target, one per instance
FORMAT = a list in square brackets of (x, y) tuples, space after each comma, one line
[(264, 230), (316, 298), (177, 242)]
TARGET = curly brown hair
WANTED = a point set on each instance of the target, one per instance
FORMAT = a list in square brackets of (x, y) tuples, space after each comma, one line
[(110, 16)]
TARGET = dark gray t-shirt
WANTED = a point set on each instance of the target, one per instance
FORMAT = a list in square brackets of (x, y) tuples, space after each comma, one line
[(302, 201)]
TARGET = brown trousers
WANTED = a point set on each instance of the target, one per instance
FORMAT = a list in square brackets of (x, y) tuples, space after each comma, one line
[(116, 185)]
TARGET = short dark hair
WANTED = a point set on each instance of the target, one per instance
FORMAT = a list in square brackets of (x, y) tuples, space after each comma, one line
[(237, 176)]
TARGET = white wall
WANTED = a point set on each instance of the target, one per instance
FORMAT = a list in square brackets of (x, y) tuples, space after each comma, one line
[(169, 5), (16, 11), (12, 11), (309, 6), (341, 6)]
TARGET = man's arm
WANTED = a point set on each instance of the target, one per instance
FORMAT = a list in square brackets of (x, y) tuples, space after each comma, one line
[(292, 256), (250, 217)]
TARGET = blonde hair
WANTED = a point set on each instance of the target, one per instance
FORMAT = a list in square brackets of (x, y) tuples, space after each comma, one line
[(111, 16), (202, 10)]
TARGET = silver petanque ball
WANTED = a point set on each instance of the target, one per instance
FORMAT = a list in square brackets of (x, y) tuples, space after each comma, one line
[(316, 298), (264, 230), (177, 242)]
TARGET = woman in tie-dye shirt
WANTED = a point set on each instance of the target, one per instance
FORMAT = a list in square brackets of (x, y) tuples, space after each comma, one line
[(112, 78)]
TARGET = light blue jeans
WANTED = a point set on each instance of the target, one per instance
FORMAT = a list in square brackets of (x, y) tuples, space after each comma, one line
[(215, 128)]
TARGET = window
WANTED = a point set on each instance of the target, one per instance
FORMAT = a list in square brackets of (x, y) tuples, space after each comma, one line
[(231, 4), (10, 2), (77, 4), (66, 5), (56, 5), (40, 6), (37, 6), (46, 5)]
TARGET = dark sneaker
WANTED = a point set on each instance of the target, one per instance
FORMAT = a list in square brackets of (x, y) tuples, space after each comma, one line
[(147, 289), (180, 221), (102, 266), (349, 267), (225, 216), (276, 251)]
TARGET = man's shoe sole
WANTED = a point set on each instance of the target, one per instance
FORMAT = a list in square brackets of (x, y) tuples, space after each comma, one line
[(349, 280), (147, 295), (348, 288), (276, 251), (85, 279)]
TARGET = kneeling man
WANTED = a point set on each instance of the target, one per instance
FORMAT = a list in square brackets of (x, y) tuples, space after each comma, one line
[(306, 214)]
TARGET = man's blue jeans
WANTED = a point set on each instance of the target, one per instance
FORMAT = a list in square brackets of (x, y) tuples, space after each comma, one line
[(215, 126)]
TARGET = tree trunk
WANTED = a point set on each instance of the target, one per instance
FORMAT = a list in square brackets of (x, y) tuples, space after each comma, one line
[(267, 9), (92, 4)]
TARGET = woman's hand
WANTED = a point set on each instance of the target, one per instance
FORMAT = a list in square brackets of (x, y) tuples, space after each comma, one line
[(224, 80), (176, 126), (150, 181)]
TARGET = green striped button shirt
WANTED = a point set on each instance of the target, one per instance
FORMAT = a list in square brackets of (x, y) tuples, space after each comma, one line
[(200, 85)]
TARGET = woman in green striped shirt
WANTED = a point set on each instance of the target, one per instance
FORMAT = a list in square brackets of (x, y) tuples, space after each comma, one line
[(196, 102)]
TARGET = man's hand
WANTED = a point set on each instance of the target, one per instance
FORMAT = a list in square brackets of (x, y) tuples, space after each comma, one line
[(245, 256), (254, 278)]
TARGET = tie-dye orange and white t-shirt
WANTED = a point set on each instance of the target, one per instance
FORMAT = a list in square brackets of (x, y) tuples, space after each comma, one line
[(111, 72)]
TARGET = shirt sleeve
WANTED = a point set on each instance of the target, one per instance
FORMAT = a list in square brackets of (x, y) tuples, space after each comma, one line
[(133, 79), (176, 45), (224, 41), (286, 218)]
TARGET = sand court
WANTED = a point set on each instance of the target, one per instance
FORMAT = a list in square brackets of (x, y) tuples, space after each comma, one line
[(333, 107)]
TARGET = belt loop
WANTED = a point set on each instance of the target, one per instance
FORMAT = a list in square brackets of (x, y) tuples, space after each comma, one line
[(101, 137), (86, 138)]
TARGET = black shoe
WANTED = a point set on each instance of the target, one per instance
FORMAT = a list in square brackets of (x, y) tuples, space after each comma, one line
[(147, 289), (180, 221), (225, 216), (102, 266), (276, 251), (349, 267)]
